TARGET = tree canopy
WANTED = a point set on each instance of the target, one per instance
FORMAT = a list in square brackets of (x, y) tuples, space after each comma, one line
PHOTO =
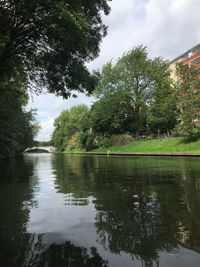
[(51, 40), (135, 97), (44, 44), (138, 79)]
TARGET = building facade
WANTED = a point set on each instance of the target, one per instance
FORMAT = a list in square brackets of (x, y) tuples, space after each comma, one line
[(190, 57)]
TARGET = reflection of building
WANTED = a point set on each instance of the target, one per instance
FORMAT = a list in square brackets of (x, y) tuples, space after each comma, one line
[(190, 57)]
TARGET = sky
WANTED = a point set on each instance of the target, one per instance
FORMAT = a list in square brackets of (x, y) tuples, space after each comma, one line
[(166, 27)]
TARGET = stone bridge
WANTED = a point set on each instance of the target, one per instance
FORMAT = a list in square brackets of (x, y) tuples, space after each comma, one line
[(40, 149)]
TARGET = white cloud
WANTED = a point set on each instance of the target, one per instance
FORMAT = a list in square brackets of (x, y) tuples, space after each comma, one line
[(171, 26), (166, 27), (46, 129)]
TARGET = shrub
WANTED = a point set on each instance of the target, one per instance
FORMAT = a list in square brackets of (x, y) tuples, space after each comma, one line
[(88, 140), (121, 139), (103, 141)]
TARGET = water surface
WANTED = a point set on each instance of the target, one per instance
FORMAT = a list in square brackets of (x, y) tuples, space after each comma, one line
[(70, 210)]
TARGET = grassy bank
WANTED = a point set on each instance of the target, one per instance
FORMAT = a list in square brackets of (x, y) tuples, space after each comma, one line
[(156, 146), (75, 150)]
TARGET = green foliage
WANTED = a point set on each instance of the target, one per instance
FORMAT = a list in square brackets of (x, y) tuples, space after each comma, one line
[(121, 139), (67, 124), (103, 141), (51, 40), (91, 141), (189, 102), (135, 97), (162, 112), (44, 44), (134, 79), (18, 126), (74, 141), (112, 115), (88, 140)]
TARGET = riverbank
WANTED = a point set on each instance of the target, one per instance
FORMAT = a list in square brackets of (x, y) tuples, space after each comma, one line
[(164, 146), (156, 146)]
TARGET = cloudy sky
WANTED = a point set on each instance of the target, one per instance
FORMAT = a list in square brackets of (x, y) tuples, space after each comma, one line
[(166, 27)]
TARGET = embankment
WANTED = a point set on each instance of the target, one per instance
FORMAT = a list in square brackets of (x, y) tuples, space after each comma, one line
[(165, 146)]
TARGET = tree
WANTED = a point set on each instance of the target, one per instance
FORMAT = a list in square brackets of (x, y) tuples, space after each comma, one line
[(44, 44), (163, 111), (136, 77), (112, 115), (188, 92), (17, 126), (68, 123), (51, 40)]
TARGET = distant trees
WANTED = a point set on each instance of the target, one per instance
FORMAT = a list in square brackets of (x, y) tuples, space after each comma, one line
[(135, 97), (69, 125)]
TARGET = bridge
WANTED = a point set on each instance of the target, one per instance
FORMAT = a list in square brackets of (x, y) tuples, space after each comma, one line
[(40, 149)]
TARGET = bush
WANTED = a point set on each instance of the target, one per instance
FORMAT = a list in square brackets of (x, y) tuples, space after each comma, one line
[(190, 131), (88, 140), (103, 141), (91, 141), (121, 139)]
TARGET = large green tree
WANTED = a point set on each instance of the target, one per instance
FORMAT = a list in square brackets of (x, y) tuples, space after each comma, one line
[(51, 40), (136, 77)]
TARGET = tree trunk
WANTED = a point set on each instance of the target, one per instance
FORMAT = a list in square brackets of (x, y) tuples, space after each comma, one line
[(137, 121)]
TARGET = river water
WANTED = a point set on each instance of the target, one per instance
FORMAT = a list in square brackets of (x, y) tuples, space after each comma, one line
[(71, 210)]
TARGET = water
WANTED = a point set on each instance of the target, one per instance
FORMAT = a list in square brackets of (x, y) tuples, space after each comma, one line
[(77, 211)]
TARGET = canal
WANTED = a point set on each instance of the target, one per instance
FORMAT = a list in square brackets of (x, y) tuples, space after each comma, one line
[(98, 211)]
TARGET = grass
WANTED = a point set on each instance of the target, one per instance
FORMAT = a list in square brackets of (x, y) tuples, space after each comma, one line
[(156, 146), (75, 150)]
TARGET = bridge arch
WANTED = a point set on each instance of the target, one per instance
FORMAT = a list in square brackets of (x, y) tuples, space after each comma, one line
[(40, 149)]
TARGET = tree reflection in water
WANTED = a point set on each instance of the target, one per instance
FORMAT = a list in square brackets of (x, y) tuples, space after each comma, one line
[(39, 253), (142, 207), (16, 197), (149, 206)]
